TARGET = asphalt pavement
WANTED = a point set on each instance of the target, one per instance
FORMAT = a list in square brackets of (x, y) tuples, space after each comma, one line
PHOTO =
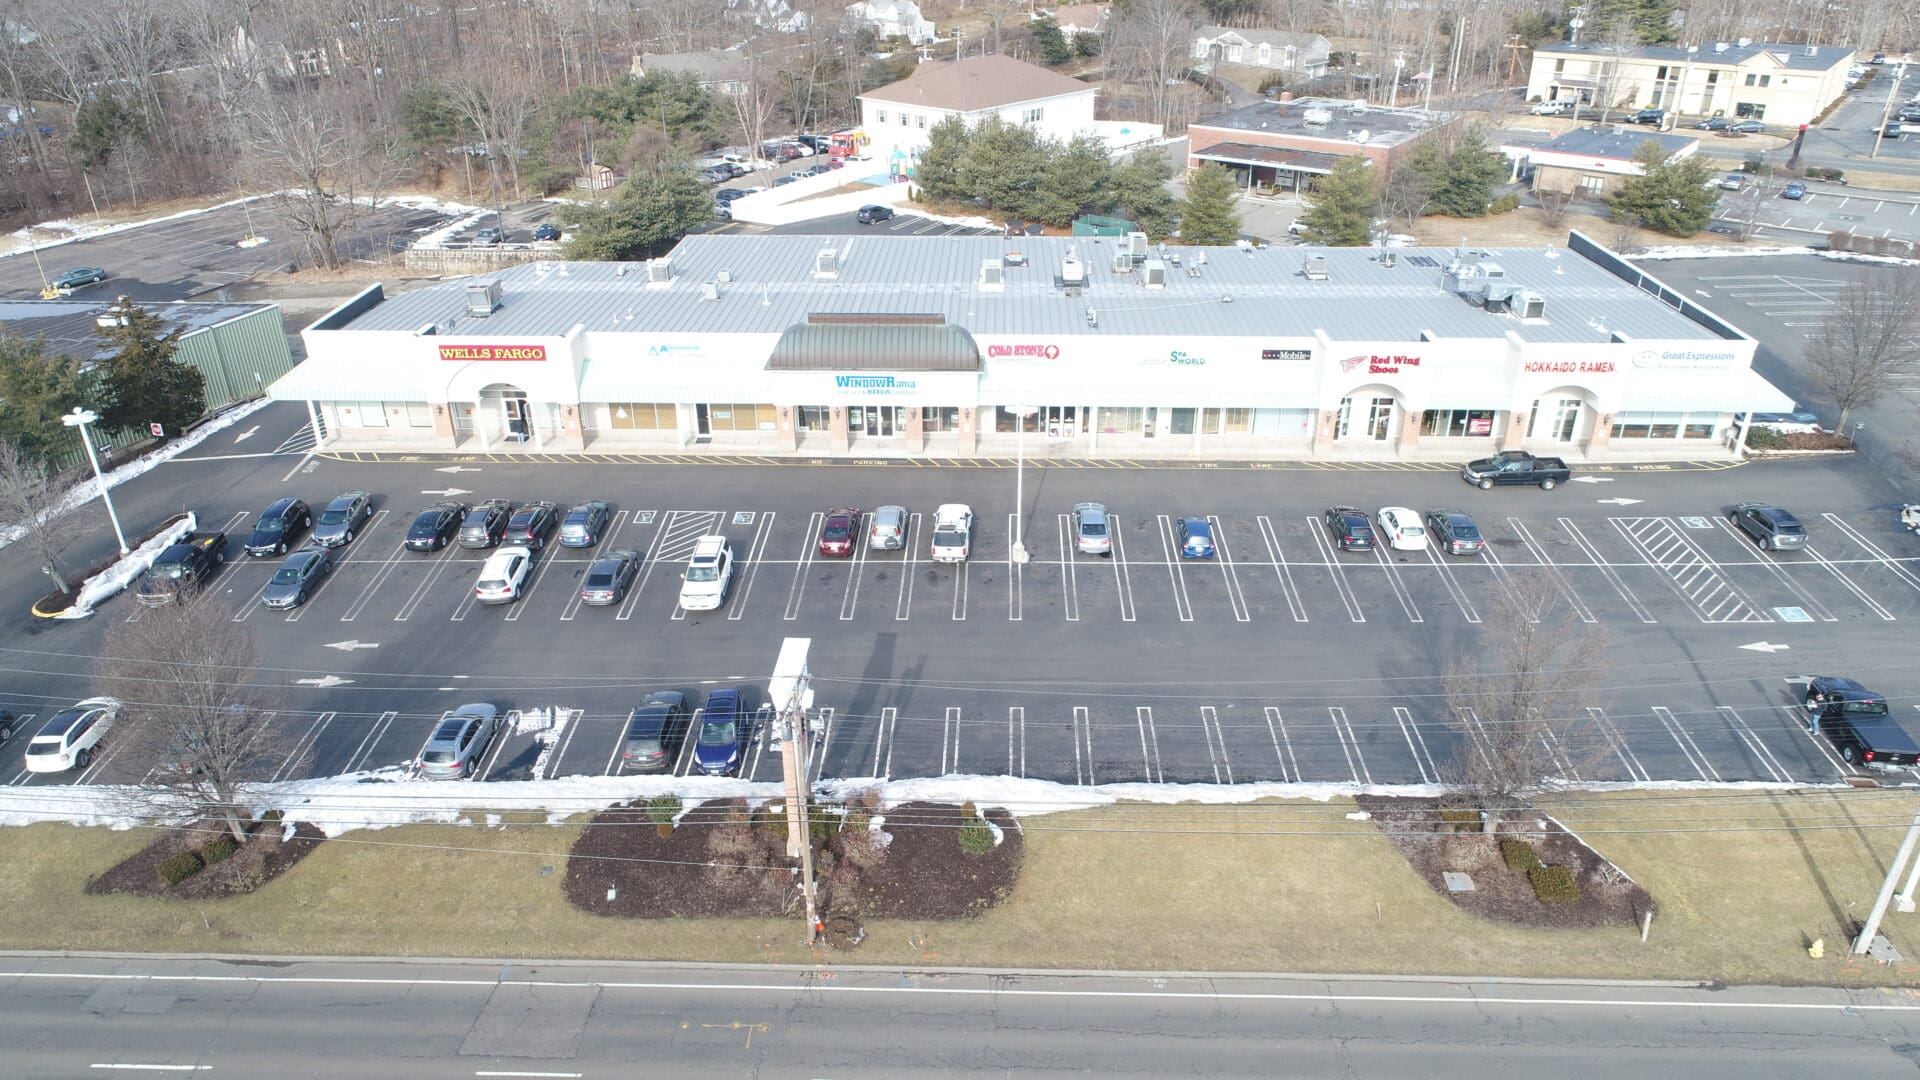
[(67, 1017)]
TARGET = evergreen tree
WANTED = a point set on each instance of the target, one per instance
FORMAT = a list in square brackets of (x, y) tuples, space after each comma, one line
[(1472, 172), (646, 216), (1648, 21), (141, 383), (1210, 214), (38, 388), (1409, 189), (937, 172), (1342, 205), (1003, 165), (1078, 180), (1051, 43), (1139, 191), (1670, 196)]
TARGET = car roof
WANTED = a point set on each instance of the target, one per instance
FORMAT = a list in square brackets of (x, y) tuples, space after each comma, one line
[(280, 506), (344, 501), (1398, 511), (1347, 512), (304, 555), (590, 504), (952, 512), (614, 556), (451, 726), (665, 697), (500, 559), (709, 547), (1450, 515)]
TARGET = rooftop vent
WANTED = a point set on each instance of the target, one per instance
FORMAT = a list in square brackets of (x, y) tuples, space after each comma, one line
[(1093, 317), (1813, 50), (1015, 258), (1720, 46), (1154, 274), (620, 270), (1360, 136), (1137, 245), (1498, 298), (1530, 305), (660, 272), (1388, 259), (1745, 41), (709, 291), (427, 330), (1314, 268), (483, 297), (992, 276), (723, 276), (1073, 273), (826, 263)]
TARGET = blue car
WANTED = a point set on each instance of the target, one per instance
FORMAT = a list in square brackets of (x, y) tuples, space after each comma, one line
[(1795, 191), (1196, 538), (717, 751)]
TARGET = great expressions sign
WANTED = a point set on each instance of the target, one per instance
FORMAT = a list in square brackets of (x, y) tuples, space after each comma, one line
[(493, 352)]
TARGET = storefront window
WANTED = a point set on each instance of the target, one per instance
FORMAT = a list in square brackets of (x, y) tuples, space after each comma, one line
[(1652, 425), (940, 418), (740, 416), (1181, 422), (1121, 421), (1457, 423), (1209, 421), (1698, 427), (1006, 420), (815, 417), (642, 416), (1239, 421)]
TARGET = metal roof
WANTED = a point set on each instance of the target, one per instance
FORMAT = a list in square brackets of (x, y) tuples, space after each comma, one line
[(67, 326), (889, 345), (1253, 292), (1249, 154), (1619, 144)]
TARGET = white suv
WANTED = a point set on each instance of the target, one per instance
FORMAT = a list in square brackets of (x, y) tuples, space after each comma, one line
[(708, 574), (67, 741), (503, 576), (953, 533)]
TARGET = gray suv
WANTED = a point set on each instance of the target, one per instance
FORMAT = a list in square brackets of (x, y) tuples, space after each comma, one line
[(1770, 526), (454, 750), (341, 517)]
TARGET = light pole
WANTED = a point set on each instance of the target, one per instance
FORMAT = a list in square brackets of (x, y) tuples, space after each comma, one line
[(80, 418), (1399, 61), (1019, 554)]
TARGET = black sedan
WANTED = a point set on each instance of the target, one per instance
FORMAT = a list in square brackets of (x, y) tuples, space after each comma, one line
[(435, 526), (530, 525), (278, 527), (1349, 527), (297, 577), (485, 524), (607, 579), (1455, 532)]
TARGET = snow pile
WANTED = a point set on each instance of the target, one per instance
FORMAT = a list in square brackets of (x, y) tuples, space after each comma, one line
[(126, 570), (1681, 251), (76, 230), (1854, 256), (439, 237)]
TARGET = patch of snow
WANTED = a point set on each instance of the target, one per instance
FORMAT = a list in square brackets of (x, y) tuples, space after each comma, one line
[(1853, 256), (1359, 815), (877, 825), (1681, 251), (493, 821), (288, 830), (126, 570), (999, 834), (439, 237), (76, 230), (254, 241)]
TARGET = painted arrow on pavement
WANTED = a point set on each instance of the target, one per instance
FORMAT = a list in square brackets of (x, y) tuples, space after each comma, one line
[(330, 680), (1593, 479), (459, 468), (349, 645), (1764, 646), (247, 434), (1618, 502), (447, 491)]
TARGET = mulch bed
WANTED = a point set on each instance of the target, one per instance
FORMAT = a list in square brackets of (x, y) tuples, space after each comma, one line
[(1809, 440), (1432, 847), (61, 599), (262, 858), (921, 873)]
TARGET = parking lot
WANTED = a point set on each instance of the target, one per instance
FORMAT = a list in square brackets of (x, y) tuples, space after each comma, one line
[(1279, 659)]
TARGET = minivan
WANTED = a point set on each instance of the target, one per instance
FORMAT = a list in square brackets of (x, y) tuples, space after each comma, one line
[(655, 731)]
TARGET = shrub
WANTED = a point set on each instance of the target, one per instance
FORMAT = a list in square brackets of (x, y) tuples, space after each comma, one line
[(1765, 439), (662, 809), (1554, 884), (862, 847), (1821, 172), (179, 868), (217, 850), (976, 838), (1520, 856), (823, 820), (273, 817), (1505, 204)]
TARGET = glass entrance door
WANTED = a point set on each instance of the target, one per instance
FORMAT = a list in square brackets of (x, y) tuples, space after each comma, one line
[(1343, 419), (1565, 418), (1379, 418), (1063, 421), (874, 421)]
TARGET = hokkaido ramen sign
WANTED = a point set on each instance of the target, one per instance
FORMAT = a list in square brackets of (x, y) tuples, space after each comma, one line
[(493, 352)]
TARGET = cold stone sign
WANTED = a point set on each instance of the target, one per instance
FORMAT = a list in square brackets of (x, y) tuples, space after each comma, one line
[(493, 352)]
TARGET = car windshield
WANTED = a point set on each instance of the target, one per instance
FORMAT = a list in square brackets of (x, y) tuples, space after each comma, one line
[(836, 530), (1093, 528), (1465, 532), (44, 745), (600, 579), (333, 517), (1410, 531), (1864, 708), (521, 522), (949, 537), (492, 584), (286, 575), (270, 525), (437, 757), (703, 573), (168, 570), (426, 523), (1788, 527), (718, 733)]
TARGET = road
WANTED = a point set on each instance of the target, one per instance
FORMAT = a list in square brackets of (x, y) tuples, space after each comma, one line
[(332, 1020)]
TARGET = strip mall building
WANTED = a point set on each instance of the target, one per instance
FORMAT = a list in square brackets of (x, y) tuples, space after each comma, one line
[(897, 346)]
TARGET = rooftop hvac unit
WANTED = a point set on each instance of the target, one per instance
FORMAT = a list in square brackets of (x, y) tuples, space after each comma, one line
[(1123, 263), (1530, 305), (992, 276), (709, 291), (1073, 273), (1497, 298), (1314, 268), (1137, 246), (483, 297), (1491, 269), (1154, 274), (826, 263), (660, 272), (1015, 258)]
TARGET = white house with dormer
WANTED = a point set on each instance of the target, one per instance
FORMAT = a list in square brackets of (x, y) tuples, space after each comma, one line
[(1273, 50), (897, 117), (893, 18)]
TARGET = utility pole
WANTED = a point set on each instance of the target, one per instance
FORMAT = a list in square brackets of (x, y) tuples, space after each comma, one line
[(792, 696), (1513, 57), (1893, 90), (1872, 926)]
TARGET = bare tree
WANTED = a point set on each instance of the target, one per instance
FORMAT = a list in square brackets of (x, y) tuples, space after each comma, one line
[(1866, 341), (496, 101), (184, 674), (758, 94), (1150, 44), (1743, 209), (326, 165), (1519, 699), (1554, 206), (37, 512)]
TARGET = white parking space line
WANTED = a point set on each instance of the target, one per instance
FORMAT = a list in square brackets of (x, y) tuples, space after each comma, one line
[(1225, 558), (1149, 746), (605, 545), (1123, 576), (1599, 562), (379, 576), (962, 575), (756, 555), (1069, 576), (1454, 590), (496, 746), (949, 740), (1629, 760), (357, 760), (1417, 742), (1349, 744), (548, 557), (822, 726), (1082, 733), (683, 761), (851, 598), (1216, 744), (1688, 570), (559, 754), (614, 767), (307, 740), (804, 563), (1805, 597), (1879, 554), (1477, 735), (648, 560), (420, 591), (252, 603), (1547, 566), (1558, 755), (1848, 583), (1503, 578), (1017, 734), (889, 725), (1282, 745), (1689, 748), (1176, 569), (1393, 579), (1336, 571), (1754, 744), (1279, 562), (1016, 583), (903, 607)]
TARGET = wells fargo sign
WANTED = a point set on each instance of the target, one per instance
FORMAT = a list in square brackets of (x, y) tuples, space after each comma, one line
[(493, 352)]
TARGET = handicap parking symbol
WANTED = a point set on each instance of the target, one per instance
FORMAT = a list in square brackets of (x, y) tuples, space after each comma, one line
[(644, 517), (743, 517), (1696, 523), (1792, 614)]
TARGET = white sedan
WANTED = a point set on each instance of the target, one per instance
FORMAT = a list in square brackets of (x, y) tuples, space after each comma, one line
[(503, 576), (1401, 528)]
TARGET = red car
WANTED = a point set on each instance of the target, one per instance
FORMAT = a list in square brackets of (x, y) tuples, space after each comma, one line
[(836, 536)]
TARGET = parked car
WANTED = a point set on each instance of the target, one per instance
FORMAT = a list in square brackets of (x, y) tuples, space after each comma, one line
[(278, 526), (299, 575), (836, 532), (887, 528), (655, 731), (1349, 528), (722, 211), (1798, 421), (435, 526), (342, 516), (1733, 181), (608, 576), (182, 568), (78, 277), (1515, 467), (485, 524), (546, 231), (1402, 529), (812, 170), (728, 194), (1878, 59), (722, 728), (873, 215), (1795, 191), (1552, 108), (709, 572), (1455, 532), (530, 525), (1858, 723), (1714, 123), (489, 237), (783, 181), (503, 576), (6, 725), (67, 741), (1648, 116), (1091, 532), (952, 532), (454, 750), (1771, 527), (1195, 535), (583, 524), (1747, 127)]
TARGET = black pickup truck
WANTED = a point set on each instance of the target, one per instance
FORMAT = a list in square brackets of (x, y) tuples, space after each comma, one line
[(1515, 467), (1856, 721), (182, 567)]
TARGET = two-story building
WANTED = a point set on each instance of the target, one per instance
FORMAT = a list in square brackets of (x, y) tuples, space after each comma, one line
[(893, 18), (1777, 84), (897, 117), (1274, 50)]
